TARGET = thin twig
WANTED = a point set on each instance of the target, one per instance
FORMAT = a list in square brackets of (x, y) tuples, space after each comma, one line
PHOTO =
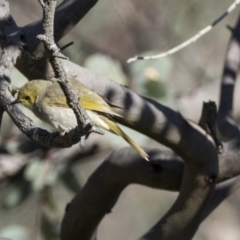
[(208, 122), (189, 41), (66, 46), (11, 50), (227, 125), (54, 54)]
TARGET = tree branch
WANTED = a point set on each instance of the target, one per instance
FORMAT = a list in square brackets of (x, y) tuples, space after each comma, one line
[(84, 122), (190, 40), (11, 49), (226, 125), (27, 126), (223, 191), (125, 167), (104, 186), (159, 122), (197, 185), (68, 14)]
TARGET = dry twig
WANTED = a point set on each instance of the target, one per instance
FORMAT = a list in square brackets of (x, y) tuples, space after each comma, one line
[(190, 40)]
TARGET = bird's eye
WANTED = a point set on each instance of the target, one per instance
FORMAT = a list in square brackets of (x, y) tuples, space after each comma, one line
[(27, 98)]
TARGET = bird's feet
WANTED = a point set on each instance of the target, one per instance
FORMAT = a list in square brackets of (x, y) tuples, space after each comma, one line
[(63, 132)]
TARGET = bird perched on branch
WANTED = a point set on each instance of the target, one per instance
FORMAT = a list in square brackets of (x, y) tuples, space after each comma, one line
[(48, 102)]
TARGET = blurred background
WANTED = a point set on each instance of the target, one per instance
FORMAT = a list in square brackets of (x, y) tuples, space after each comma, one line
[(36, 183)]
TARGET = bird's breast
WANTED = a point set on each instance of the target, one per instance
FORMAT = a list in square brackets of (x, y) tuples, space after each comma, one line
[(64, 118), (61, 118)]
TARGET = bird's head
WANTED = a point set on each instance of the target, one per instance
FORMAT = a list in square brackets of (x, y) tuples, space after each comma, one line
[(29, 93)]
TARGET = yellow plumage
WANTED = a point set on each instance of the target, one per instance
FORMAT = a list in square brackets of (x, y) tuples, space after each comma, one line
[(48, 102)]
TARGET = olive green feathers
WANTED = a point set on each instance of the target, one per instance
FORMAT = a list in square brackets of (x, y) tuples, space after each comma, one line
[(48, 102)]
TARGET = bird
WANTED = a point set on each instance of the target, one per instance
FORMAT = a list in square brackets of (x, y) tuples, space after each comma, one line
[(48, 102)]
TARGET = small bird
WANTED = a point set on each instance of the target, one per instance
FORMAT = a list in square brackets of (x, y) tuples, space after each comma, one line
[(48, 102)]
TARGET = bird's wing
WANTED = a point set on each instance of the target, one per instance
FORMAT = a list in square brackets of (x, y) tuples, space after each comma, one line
[(88, 98)]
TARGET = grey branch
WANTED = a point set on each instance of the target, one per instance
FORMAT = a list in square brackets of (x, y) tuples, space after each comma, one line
[(125, 167), (54, 55), (145, 115), (226, 125), (208, 122), (68, 14), (12, 48), (164, 125), (190, 40)]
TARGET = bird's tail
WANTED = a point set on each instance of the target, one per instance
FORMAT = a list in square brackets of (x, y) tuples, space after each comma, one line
[(114, 128)]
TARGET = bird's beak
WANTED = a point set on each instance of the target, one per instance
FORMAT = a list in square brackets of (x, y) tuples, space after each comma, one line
[(15, 102)]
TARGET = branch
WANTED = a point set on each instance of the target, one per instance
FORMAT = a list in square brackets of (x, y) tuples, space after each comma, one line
[(9, 40), (84, 122), (223, 191), (158, 122), (68, 14), (11, 50), (142, 114), (11, 43), (189, 41), (145, 115), (208, 122), (125, 167), (27, 126), (1, 117), (226, 125), (104, 186), (197, 184), (11, 164)]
